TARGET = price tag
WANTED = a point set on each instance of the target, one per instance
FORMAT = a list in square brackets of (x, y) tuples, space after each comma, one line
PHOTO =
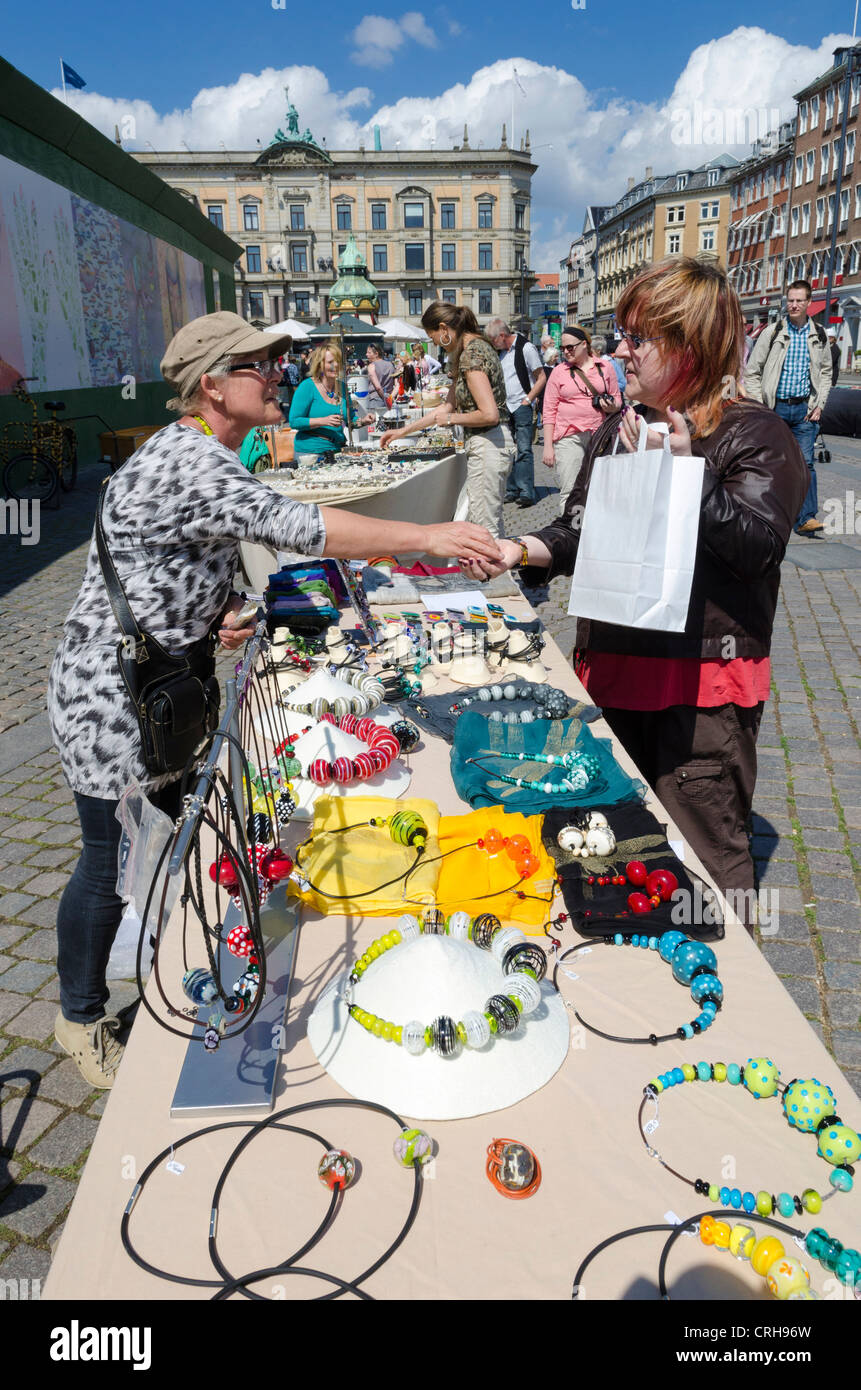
[(673, 1220), (650, 1126), (570, 974), (174, 1167)]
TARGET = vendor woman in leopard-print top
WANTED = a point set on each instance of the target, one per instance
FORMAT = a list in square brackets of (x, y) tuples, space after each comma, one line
[(476, 401), (173, 519)]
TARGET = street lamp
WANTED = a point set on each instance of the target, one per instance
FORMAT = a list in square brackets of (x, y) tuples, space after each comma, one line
[(524, 272)]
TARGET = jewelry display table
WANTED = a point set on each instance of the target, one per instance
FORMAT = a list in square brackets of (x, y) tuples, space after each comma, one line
[(431, 494), (467, 1241)]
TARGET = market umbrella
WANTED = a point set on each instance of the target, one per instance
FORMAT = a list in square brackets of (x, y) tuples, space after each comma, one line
[(296, 329), (401, 331), (348, 325)]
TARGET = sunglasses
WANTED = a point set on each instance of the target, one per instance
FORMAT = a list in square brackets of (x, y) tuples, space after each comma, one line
[(636, 340), (571, 347), (269, 367)]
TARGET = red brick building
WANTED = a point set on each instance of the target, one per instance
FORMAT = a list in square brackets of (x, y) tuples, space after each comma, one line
[(759, 212)]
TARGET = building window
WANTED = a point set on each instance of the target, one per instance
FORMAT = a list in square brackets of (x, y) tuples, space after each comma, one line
[(381, 258), (449, 296), (830, 210), (824, 155), (252, 259), (794, 222), (676, 214), (485, 255), (250, 217), (802, 118), (708, 210), (341, 249), (519, 217), (707, 240), (853, 259), (255, 306), (344, 214), (378, 217), (298, 258), (414, 214), (805, 218), (519, 258), (485, 214), (820, 213), (844, 205), (446, 216), (485, 301), (414, 257), (850, 152), (414, 301), (215, 213), (674, 244), (814, 112), (811, 160), (681, 182), (829, 104), (856, 89), (384, 302), (713, 177), (297, 217), (303, 302), (448, 253)]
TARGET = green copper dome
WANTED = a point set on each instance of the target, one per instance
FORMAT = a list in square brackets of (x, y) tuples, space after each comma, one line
[(353, 292)]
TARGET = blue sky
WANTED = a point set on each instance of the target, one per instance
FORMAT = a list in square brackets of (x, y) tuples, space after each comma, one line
[(164, 52), (598, 87)]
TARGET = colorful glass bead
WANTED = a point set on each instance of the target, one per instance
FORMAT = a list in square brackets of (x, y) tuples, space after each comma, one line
[(444, 1034), (408, 828), (517, 1167), (848, 1268), (224, 872), (763, 1203), (320, 772), (504, 940), (527, 959), (785, 1276), (785, 1204), (741, 1242), (412, 1147), (526, 992), (477, 1029), (733, 1073), (483, 928), (691, 956), (458, 926), (761, 1077), (840, 1179), (406, 734), (765, 1253), (345, 770), (413, 1040), (707, 1230), (409, 928), (706, 987), (240, 941), (284, 808), (246, 987), (811, 1200), (838, 1144), (259, 828), (199, 986), (748, 1202), (505, 1013), (366, 765), (806, 1103), (433, 922), (336, 1168), (722, 1235)]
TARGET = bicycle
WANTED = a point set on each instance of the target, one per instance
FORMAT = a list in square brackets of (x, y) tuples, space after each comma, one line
[(48, 459)]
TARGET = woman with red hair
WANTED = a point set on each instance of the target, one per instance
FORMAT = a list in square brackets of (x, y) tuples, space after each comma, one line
[(687, 706)]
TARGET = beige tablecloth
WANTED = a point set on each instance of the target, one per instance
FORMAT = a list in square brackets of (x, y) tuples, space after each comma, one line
[(468, 1242)]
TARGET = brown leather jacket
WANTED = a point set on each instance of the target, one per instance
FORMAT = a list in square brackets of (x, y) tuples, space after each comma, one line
[(754, 484)]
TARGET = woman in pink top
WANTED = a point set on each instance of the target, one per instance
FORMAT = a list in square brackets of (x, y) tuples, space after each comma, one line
[(573, 408)]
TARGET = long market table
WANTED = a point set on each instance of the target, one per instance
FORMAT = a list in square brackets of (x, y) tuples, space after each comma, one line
[(467, 1241)]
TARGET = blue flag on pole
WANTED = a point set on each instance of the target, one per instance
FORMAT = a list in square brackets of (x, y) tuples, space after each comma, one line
[(72, 78)]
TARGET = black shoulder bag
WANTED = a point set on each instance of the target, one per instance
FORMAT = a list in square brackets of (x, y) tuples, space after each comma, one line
[(176, 698)]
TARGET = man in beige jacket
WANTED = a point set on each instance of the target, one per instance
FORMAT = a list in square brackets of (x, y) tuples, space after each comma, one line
[(789, 370)]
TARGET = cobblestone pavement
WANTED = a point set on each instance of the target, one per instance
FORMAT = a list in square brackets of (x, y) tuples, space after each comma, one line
[(807, 833)]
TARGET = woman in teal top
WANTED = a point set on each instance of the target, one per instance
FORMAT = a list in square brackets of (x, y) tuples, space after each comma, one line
[(317, 412)]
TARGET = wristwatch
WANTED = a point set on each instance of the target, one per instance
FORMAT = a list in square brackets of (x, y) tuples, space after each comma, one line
[(524, 550)]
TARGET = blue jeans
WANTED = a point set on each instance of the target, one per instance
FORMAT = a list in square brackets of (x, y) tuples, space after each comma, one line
[(521, 479), (90, 911), (805, 432)]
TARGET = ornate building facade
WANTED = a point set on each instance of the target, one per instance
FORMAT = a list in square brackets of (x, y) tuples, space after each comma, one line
[(449, 224)]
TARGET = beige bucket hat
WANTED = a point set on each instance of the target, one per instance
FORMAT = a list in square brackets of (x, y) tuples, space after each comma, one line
[(200, 343)]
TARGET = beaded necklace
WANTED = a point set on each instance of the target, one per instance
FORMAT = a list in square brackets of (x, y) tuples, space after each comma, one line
[(807, 1105), (522, 960), (581, 770), (692, 963), (204, 424), (551, 703)]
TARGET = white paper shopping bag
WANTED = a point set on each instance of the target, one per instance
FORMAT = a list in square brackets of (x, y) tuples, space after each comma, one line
[(635, 562)]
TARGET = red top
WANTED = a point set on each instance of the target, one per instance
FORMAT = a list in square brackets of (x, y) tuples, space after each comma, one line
[(656, 682)]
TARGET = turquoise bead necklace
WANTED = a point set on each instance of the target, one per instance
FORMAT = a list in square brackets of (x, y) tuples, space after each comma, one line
[(808, 1105), (692, 963)]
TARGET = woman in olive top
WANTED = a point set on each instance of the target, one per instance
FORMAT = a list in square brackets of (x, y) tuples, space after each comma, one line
[(318, 411)]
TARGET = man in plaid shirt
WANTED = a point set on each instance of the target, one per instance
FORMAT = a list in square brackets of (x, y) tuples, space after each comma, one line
[(789, 369)]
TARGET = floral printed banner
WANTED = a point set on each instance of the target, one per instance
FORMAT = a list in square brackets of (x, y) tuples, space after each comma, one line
[(86, 298)]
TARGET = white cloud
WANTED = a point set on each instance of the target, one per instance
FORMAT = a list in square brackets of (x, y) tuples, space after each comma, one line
[(414, 26), (597, 141), (378, 40)]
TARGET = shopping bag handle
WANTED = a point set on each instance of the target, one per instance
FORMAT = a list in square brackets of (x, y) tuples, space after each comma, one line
[(659, 425)]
